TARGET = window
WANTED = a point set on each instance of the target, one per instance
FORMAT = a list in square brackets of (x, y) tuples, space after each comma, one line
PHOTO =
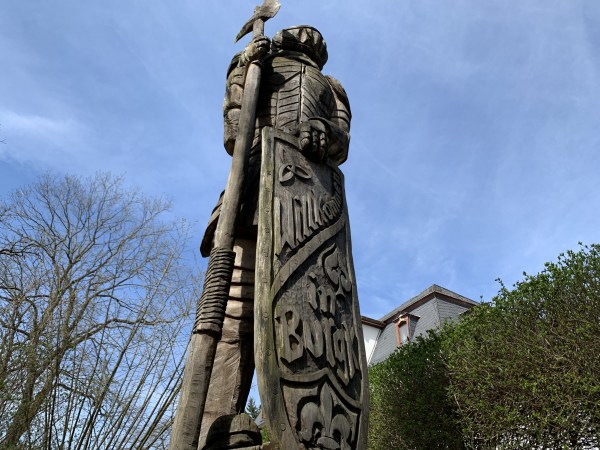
[(405, 328), (402, 331)]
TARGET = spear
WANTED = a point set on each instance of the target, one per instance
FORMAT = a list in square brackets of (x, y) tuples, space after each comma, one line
[(211, 307)]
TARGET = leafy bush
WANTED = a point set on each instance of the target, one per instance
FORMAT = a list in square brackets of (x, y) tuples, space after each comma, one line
[(520, 372), (525, 370), (410, 408)]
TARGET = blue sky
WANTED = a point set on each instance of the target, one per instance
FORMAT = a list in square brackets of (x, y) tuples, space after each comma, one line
[(475, 133)]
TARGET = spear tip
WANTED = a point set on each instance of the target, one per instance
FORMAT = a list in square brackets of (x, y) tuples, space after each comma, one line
[(263, 12)]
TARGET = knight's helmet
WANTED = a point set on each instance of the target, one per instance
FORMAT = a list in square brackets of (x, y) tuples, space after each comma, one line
[(304, 39)]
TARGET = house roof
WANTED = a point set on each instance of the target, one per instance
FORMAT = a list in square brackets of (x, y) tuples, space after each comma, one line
[(374, 323), (423, 296), (427, 310)]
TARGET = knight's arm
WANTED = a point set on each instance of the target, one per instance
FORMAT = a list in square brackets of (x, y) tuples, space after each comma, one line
[(256, 50), (232, 104), (339, 124)]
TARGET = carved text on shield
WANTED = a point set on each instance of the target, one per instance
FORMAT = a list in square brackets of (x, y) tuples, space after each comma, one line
[(299, 215), (323, 332)]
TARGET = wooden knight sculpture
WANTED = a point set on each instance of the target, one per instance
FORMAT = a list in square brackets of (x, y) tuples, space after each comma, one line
[(292, 308)]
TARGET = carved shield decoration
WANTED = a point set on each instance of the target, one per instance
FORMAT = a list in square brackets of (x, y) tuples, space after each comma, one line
[(310, 356)]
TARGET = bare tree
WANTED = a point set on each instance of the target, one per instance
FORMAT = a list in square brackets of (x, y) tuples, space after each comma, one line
[(94, 296)]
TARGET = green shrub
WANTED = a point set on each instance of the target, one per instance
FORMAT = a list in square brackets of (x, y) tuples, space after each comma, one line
[(410, 408), (525, 370)]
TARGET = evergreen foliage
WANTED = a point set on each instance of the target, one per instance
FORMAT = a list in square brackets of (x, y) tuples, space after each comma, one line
[(252, 409)]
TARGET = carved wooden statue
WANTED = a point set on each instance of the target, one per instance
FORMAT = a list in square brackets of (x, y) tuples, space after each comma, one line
[(292, 308)]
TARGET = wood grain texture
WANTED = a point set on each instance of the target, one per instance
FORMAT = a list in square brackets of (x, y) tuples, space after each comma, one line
[(310, 357)]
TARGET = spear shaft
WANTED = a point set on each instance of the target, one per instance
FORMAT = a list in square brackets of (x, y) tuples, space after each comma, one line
[(211, 309)]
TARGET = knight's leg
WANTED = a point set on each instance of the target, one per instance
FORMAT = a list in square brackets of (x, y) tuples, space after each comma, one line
[(234, 360)]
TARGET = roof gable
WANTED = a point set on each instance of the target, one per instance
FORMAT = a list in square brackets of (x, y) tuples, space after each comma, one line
[(425, 311), (424, 296)]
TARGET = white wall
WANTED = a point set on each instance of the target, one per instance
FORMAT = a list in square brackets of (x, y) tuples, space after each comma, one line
[(370, 334)]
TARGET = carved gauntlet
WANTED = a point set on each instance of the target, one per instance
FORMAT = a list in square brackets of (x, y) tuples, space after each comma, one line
[(313, 136), (321, 140), (256, 50)]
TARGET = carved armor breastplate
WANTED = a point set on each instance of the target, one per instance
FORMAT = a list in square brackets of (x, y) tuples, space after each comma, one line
[(292, 91)]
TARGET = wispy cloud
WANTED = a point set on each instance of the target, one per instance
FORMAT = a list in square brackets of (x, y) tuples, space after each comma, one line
[(474, 145), (42, 127), (41, 141)]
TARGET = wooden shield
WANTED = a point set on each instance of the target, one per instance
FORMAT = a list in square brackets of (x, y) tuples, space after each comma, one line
[(310, 356)]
